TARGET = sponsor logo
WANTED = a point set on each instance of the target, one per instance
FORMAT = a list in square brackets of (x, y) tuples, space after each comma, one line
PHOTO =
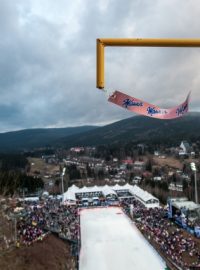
[(128, 102), (151, 111)]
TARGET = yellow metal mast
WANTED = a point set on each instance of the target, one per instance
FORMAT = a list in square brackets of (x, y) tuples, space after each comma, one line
[(136, 42)]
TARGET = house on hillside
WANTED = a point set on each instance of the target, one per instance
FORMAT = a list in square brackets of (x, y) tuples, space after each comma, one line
[(128, 163), (77, 149), (185, 148), (176, 186), (139, 166), (156, 153), (136, 180), (157, 178)]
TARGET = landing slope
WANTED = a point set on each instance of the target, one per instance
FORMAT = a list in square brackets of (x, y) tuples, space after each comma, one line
[(109, 241)]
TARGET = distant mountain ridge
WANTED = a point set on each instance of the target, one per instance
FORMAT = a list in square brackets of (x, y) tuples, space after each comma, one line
[(28, 139), (141, 129), (137, 129)]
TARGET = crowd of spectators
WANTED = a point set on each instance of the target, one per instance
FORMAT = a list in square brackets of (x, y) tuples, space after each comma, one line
[(28, 234), (173, 242), (50, 216)]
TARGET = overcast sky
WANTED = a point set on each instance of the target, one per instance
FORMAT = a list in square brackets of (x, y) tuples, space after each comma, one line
[(48, 59)]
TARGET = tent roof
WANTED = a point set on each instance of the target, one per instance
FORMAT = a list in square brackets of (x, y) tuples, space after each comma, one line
[(143, 195), (108, 190), (186, 204)]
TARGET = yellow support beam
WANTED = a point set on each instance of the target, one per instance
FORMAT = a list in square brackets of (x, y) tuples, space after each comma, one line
[(100, 64), (136, 42)]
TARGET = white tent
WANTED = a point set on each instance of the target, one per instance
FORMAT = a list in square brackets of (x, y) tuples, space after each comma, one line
[(108, 191), (74, 188), (143, 196), (127, 186), (117, 187), (69, 196), (83, 189)]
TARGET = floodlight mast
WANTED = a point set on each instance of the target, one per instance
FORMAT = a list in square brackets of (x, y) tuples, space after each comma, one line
[(63, 173), (194, 169), (136, 42)]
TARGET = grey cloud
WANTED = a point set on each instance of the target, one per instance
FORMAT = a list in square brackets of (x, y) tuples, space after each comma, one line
[(48, 59)]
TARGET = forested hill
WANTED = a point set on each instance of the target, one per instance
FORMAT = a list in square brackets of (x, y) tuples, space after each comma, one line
[(137, 129), (141, 129), (34, 138)]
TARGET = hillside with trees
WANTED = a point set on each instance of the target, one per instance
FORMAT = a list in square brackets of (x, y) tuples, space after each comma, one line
[(13, 177)]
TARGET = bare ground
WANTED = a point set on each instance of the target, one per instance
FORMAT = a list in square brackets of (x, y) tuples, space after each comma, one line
[(38, 164), (169, 161), (51, 254)]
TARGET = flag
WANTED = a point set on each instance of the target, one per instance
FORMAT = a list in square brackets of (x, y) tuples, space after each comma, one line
[(144, 108)]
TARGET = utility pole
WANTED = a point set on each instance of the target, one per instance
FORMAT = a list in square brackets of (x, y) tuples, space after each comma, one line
[(15, 222), (195, 181)]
